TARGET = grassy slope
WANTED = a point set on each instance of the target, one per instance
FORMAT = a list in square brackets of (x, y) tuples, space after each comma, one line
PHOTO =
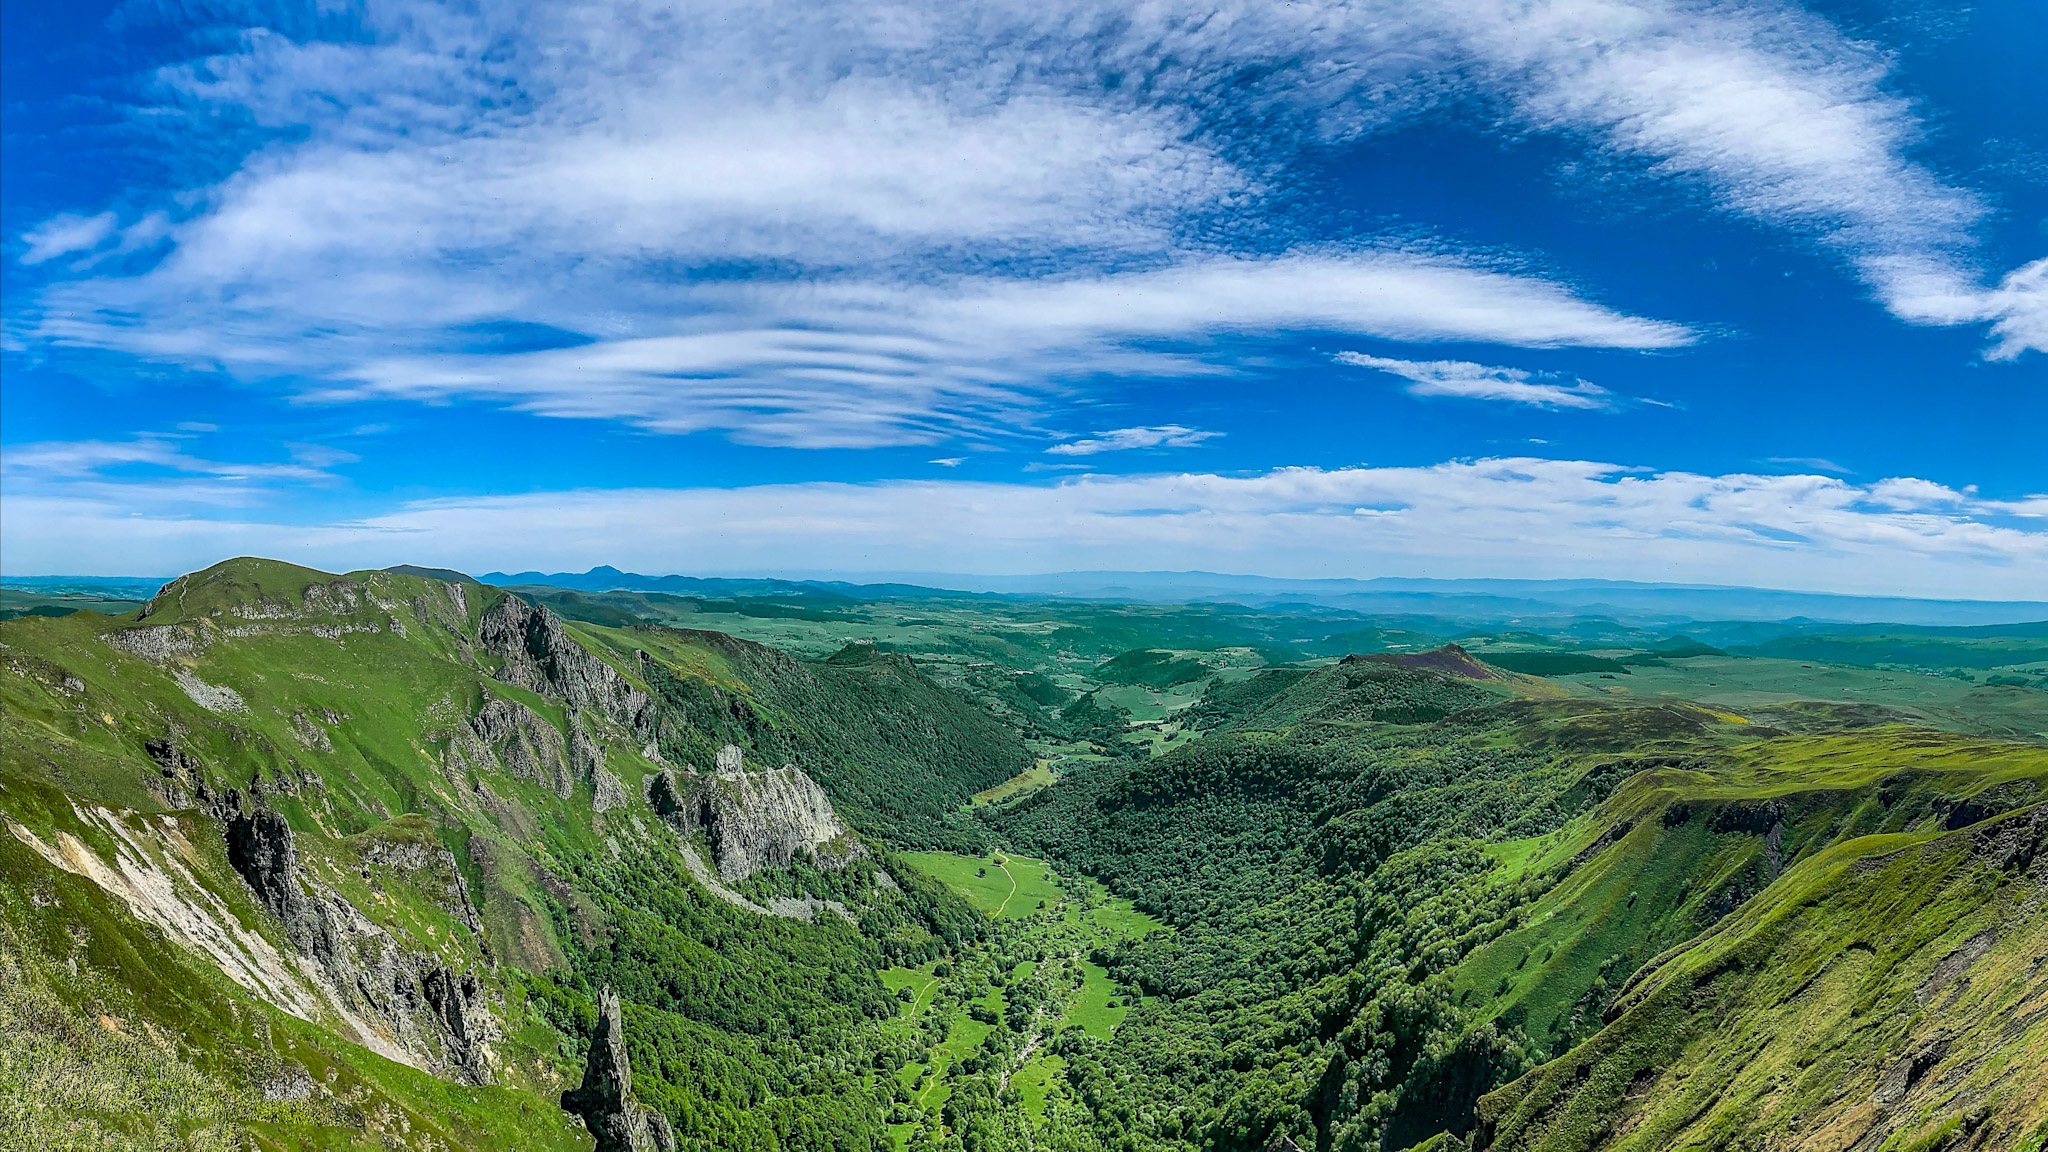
[(1887, 992), (344, 730), (1614, 887), (1677, 847), (1722, 808)]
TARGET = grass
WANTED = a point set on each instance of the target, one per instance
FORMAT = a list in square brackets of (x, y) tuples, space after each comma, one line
[(1673, 850), (1782, 1017), (1039, 775), (1753, 684), (1154, 703), (1091, 1010), (1077, 917), (1001, 885)]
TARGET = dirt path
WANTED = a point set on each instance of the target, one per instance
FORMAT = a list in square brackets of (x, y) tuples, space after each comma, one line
[(1013, 890)]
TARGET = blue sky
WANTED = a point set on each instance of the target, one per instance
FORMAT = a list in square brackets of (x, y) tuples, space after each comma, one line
[(1643, 289)]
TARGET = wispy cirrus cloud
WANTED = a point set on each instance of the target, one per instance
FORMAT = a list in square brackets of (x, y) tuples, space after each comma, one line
[(1514, 517), (64, 234), (160, 466), (839, 224), (1818, 463), (1468, 381), (1124, 439)]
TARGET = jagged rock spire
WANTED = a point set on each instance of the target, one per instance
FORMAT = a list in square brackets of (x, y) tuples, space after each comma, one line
[(605, 1101)]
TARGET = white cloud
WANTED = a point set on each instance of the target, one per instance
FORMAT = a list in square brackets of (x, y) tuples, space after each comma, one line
[(1469, 381), (65, 233), (1121, 439), (1815, 462), (1776, 112), (836, 223), (867, 364), (154, 465), (1907, 494), (1501, 518), (2018, 312)]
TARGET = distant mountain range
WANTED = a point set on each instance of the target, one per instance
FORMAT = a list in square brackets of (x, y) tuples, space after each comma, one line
[(1492, 600), (1488, 601)]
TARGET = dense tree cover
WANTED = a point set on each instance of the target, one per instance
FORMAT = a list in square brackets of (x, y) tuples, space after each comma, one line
[(1151, 668), (1321, 875), (753, 1032), (1030, 701), (1105, 723), (1356, 690), (897, 751)]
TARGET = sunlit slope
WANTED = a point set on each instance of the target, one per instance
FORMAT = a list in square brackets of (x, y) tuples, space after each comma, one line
[(1888, 992), (1685, 840), (1411, 904), (461, 779)]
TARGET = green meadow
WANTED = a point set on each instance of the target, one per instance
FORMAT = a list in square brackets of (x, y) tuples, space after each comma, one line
[(999, 1009)]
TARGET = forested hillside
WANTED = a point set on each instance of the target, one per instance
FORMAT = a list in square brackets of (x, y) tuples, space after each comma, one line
[(1378, 924), (304, 860)]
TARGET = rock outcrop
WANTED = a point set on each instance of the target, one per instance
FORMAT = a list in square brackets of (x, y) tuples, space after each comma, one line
[(413, 1001), (605, 1100), (754, 820), (519, 738), (540, 656), (261, 849)]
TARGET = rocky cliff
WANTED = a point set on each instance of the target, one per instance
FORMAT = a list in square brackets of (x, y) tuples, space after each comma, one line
[(605, 1099), (754, 820), (539, 655), (434, 1015)]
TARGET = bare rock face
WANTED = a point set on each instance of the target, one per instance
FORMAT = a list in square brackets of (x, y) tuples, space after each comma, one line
[(605, 1101), (539, 656), (408, 998), (182, 776), (525, 743), (261, 849), (754, 820)]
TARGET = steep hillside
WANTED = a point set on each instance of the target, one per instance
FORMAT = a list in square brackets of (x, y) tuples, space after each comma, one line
[(349, 856), (1887, 992), (1687, 839), (396, 859)]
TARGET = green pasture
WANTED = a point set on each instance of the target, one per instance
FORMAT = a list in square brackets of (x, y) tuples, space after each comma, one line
[(1078, 916), (1003, 886), (1039, 775)]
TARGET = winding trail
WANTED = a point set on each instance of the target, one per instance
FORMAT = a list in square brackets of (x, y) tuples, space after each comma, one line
[(1005, 866), (919, 1004)]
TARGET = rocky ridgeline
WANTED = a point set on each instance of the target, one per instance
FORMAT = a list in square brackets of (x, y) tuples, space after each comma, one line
[(406, 1003), (540, 656), (753, 820), (509, 734)]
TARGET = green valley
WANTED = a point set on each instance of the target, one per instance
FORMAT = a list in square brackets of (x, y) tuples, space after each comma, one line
[(400, 859)]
